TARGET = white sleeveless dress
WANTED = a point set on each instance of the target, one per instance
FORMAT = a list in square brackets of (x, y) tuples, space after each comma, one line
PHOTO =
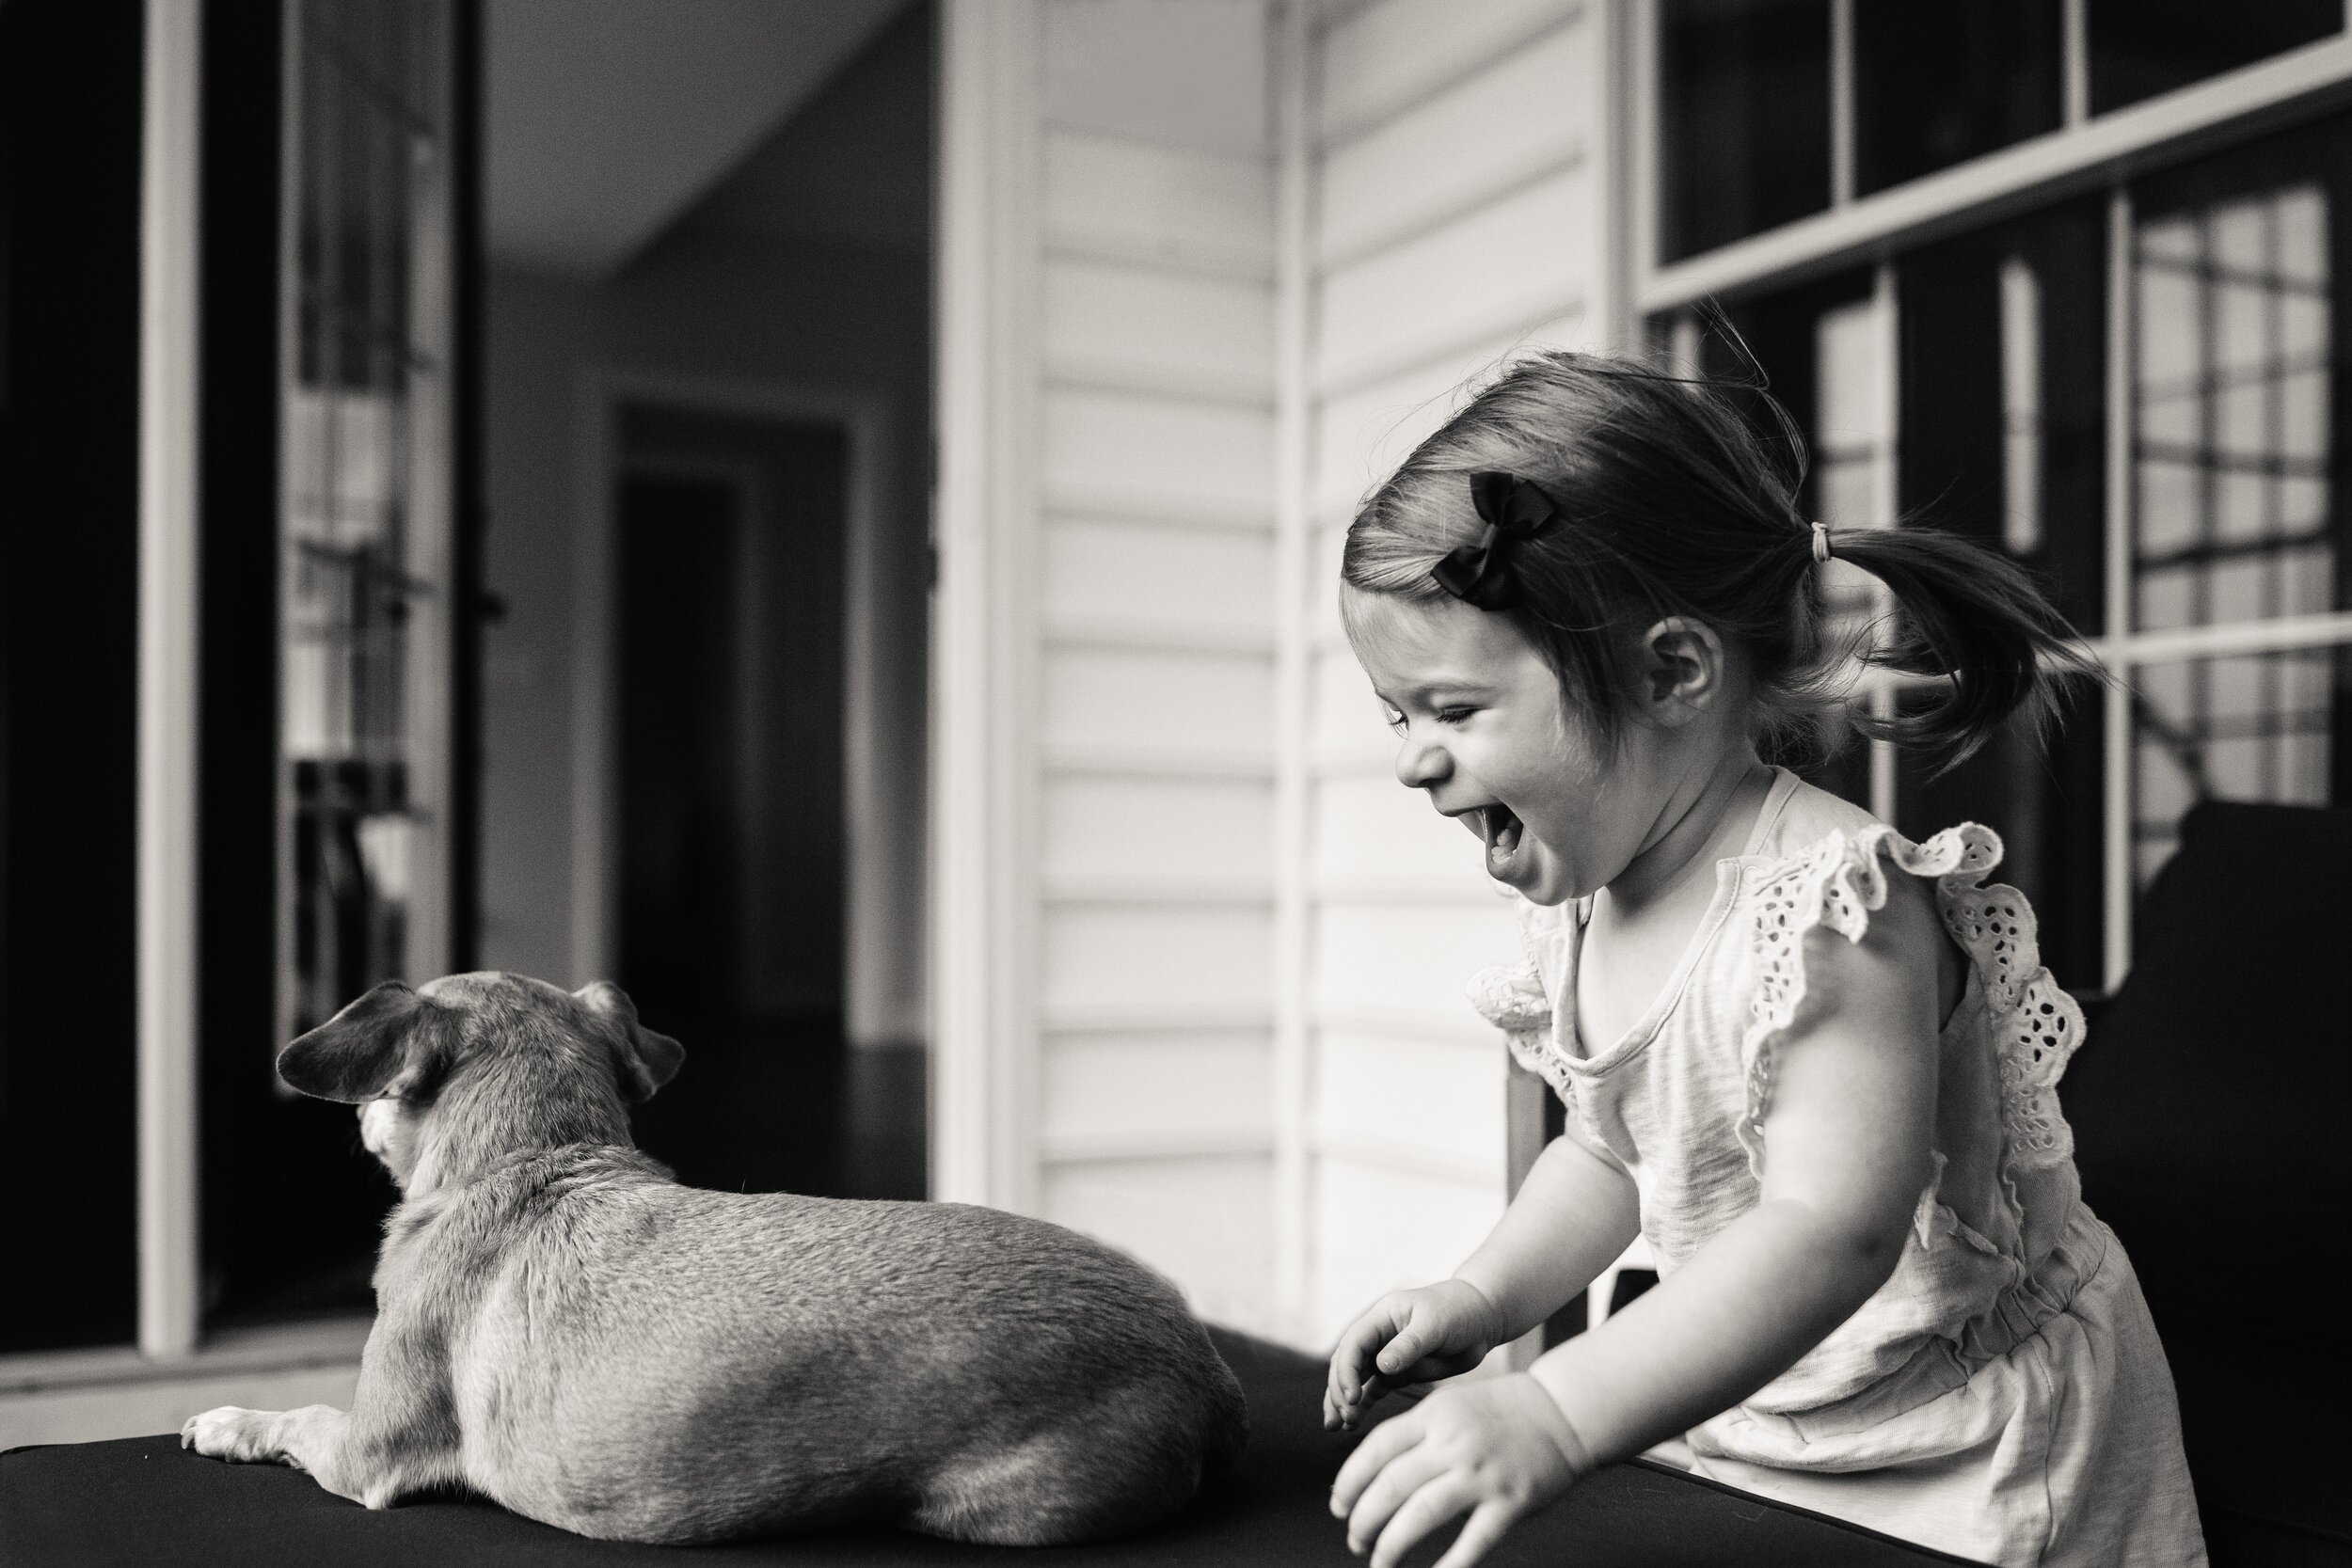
[(2003, 1396)]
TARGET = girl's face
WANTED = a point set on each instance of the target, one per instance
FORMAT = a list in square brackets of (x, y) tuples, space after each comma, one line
[(1482, 727)]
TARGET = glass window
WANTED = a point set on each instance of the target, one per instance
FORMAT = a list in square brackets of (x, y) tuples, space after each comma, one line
[(2140, 48), (2004, 372), (2245, 727), (1743, 118), (1938, 84), (2233, 410)]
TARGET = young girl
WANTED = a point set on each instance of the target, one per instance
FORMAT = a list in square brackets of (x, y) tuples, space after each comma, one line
[(1811, 1061)]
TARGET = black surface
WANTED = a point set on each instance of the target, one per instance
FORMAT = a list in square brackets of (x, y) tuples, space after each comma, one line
[(145, 1502), (2209, 1103), (70, 124)]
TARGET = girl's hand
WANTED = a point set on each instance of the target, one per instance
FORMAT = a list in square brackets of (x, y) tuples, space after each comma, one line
[(1409, 1337), (1496, 1446)]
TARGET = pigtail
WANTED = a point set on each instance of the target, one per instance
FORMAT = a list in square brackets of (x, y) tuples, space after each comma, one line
[(1975, 621)]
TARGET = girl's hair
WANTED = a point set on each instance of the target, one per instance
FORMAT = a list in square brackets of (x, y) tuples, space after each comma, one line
[(1669, 503)]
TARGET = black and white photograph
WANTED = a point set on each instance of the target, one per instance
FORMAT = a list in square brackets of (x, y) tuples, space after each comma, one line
[(1167, 783)]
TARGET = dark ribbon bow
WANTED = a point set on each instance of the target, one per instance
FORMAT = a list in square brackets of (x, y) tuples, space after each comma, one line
[(1513, 510)]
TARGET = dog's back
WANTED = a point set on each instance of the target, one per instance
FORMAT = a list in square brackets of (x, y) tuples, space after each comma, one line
[(654, 1362)]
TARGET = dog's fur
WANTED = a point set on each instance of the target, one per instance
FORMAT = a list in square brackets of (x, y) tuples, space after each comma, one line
[(565, 1329)]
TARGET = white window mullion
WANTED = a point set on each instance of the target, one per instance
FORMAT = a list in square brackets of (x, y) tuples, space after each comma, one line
[(2122, 473), (168, 680)]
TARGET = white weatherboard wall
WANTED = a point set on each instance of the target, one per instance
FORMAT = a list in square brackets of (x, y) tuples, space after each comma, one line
[(1106, 983), (1210, 267), (1459, 219)]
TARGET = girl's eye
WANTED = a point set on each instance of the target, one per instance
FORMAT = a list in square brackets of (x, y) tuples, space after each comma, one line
[(1454, 715), (1394, 717)]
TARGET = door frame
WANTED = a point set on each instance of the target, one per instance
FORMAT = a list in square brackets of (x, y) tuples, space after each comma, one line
[(865, 419)]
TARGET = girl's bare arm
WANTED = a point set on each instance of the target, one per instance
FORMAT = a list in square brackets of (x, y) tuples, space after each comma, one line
[(1848, 1135), (1572, 1216)]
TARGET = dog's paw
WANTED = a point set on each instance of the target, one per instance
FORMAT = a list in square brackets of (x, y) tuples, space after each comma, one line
[(233, 1433)]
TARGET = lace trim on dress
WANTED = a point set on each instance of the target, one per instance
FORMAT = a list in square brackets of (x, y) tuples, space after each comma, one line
[(1512, 998), (2035, 1024)]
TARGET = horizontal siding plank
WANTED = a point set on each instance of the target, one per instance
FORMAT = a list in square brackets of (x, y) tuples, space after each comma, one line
[(1379, 60), (1206, 1223), (1346, 716), (1365, 432), (1526, 258), (1137, 573), (1373, 829), (1112, 199), (1141, 702), (1488, 135), (1178, 455), (1102, 829), (1436, 1105), (1378, 1229), (1142, 959), (1146, 326), (1158, 1087), (1409, 957), (1193, 74)]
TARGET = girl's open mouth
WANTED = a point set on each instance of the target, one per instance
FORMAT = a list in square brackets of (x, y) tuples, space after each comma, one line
[(1501, 831)]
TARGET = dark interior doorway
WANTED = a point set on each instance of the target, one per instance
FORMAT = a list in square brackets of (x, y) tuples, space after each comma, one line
[(732, 591)]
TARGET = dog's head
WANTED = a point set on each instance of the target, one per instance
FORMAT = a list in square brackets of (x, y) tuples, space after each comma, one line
[(471, 1067)]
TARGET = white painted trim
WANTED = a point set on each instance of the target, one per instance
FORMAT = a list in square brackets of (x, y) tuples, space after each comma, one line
[(1235, 892), (1384, 1154), (1380, 116), (865, 424), (1612, 149), (1158, 383), (2074, 60), (1170, 637), (1156, 763), (2122, 473), (1199, 259), (1456, 203), (1292, 81), (2225, 110), (1092, 503), (984, 1017), (2277, 634), (1146, 1018), (1841, 103), (1430, 349), (1124, 1148), (169, 1304), (430, 547)]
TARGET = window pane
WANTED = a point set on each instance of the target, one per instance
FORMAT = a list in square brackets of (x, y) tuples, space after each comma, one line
[(1937, 83), (2235, 409), (2140, 48), (2247, 727), (2045, 805), (1743, 118), (2004, 346)]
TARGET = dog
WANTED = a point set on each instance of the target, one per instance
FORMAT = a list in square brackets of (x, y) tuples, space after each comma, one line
[(565, 1330)]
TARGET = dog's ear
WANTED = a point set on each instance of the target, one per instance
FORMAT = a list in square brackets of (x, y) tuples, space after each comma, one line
[(355, 1054), (646, 1060)]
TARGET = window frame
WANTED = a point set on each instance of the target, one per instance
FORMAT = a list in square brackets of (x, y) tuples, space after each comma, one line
[(2086, 155)]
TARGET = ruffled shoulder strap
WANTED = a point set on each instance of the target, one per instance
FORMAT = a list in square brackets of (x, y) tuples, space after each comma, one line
[(1513, 997), (1837, 882)]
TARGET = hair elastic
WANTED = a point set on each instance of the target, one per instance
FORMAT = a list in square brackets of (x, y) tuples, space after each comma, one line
[(1820, 543), (1512, 511)]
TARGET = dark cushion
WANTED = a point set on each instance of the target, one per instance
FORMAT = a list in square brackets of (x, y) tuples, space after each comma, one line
[(144, 1501), (2211, 1101)]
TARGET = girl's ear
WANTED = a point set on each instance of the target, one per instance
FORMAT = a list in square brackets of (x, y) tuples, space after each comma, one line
[(1681, 667), (355, 1055), (646, 1060)]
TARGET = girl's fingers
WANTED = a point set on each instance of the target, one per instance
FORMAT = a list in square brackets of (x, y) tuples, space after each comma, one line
[(1388, 1440), (1487, 1523), (1444, 1494), (1403, 1478)]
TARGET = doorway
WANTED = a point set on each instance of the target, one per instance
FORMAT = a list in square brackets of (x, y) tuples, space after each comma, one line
[(731, 593)]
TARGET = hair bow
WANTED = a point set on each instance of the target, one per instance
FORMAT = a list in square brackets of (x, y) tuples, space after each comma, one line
[(1513, 510)]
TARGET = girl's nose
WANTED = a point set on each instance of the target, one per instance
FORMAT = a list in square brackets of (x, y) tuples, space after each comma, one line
[(1421, 763)]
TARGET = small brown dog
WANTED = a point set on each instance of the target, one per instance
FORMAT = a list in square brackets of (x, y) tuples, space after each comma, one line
[(563, 1328)]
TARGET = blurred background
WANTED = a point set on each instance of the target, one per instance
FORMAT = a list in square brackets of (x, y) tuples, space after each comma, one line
[(825, 512)]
